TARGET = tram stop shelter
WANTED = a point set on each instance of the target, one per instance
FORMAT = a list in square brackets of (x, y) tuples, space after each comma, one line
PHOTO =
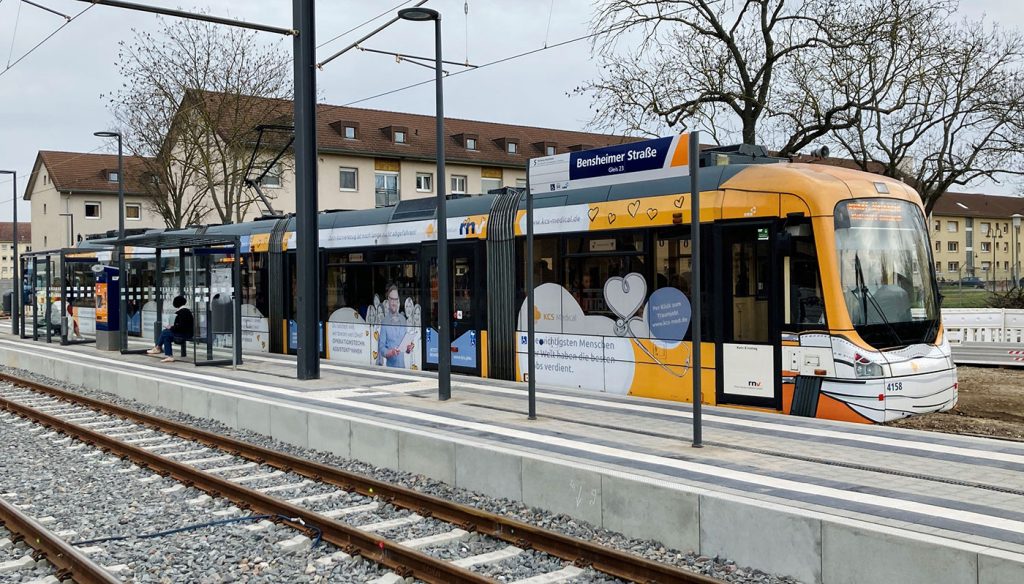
[(205, 269), (72, 294), (59, 295)]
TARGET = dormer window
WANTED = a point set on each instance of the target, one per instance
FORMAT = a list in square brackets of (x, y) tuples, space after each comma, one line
[(509, 145), (546, 147), (468, 141), (112, 175), (345, 129), (397, 134), (400, 137)]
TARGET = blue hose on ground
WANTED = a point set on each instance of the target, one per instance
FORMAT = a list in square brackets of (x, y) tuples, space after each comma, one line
[(316, 539)]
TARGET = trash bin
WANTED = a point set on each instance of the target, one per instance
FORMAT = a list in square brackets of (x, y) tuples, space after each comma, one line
[(8, 301), (221, 313)]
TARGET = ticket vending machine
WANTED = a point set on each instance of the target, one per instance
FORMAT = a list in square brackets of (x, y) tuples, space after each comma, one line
[(107, 308)]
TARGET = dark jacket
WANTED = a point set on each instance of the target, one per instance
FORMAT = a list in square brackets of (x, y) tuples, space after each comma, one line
[(184, 323)]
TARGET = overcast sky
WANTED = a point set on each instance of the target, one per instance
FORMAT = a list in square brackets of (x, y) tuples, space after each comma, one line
[(51, 99)]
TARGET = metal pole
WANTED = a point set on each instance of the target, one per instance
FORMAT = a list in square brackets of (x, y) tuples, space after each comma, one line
[(122, 267), (444, 311), (695, 320), (64, 300), (16, 292), (531, 354), (306, 240), (236, 295)]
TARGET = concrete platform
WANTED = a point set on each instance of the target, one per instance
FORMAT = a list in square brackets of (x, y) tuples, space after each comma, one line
[(822, 501)]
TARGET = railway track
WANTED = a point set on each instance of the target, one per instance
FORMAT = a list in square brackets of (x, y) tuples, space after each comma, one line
[(65, 558), (394, 523)]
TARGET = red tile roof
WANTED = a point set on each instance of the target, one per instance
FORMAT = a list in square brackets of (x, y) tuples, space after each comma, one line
[(373, 134), (24, 232), (85, 172), (977, 205)]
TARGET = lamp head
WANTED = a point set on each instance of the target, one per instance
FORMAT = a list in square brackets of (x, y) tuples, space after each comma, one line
[(107, 134), (419, 14), (1016, 220)]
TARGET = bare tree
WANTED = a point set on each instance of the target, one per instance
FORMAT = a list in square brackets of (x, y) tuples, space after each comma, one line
[(192, 96), (755, 68), (955, 118)]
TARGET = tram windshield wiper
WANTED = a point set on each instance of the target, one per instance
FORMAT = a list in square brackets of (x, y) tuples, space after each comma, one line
[(866, 296)]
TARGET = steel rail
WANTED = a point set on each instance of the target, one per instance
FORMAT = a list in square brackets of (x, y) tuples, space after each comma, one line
[(63, 555), (583, 553), (404, 561)]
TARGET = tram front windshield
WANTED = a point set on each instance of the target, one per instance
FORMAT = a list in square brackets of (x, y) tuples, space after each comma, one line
[(885, 271)]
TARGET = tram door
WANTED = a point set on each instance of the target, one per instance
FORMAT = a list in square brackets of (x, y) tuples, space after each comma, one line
[(466, 282), (748, 300)]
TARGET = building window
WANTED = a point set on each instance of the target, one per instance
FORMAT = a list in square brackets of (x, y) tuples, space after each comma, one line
[(273, 178), (350, 132), (938, 246), (521, 183), (985, 266), (92, 210), (386, 188), (953, 266), (458, 184), (470, 143), (424, 182), (112, 176), (44, 241), (512, 147), (489, 184), (952, 226), (1006, 247), (952, 246), (1006, 266), (46, 180), (938, 225), (985, 228), (133, 211), (399, 137), (348, 178), (986, 247), (549, 150), (44, 208)]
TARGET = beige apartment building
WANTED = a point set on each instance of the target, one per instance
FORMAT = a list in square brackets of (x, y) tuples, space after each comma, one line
[(372, 158), (7, 246), (74, 194), (979, 236)]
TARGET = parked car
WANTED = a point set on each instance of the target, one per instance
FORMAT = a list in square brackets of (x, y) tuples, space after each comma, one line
[(972, 282)]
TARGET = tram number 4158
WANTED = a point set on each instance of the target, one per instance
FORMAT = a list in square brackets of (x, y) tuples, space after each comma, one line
[(894, 386)]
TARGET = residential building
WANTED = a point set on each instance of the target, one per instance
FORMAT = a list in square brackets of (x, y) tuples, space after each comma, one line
[(7, 248), (74, 194), (373, 158), (974, 235)]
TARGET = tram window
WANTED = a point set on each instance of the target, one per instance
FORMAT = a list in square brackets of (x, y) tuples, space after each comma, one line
[(592, 260), (805, 307), (255, 286), (673, 261), (545, 253)]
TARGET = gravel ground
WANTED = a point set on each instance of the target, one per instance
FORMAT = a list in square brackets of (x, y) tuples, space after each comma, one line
[(711, 566), (97, 495)]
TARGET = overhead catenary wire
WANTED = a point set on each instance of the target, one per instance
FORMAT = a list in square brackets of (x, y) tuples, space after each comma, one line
[(14, 35), (10, 65), (362, 24)]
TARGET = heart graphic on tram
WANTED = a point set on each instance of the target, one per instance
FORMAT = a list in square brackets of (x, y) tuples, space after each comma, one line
[(611, 218), (633, 208), (624, 296), (593, 213), (652, 213), (678, 202)]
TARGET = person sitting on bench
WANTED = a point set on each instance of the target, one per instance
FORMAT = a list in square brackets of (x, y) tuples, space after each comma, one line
[(180, 331)]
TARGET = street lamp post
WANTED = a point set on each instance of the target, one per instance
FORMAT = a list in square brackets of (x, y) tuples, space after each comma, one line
[(1016, 248), (444, 355), (15, 306), (122, 321), (71, 235)]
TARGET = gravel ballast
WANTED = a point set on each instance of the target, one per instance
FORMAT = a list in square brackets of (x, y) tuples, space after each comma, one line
[(248, 568)]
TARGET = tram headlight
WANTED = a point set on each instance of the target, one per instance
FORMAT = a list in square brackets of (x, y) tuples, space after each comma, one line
[(868, 370)]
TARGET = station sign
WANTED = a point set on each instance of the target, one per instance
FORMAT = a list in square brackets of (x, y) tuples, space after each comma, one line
[(645, 160)]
